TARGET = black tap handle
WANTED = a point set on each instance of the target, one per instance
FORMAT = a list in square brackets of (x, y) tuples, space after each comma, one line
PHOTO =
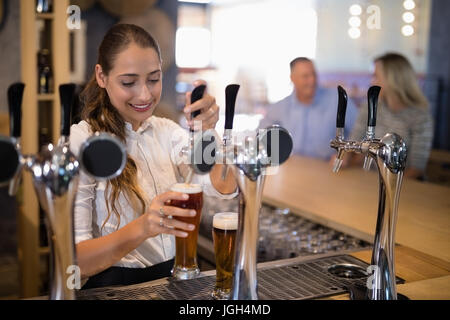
[(196, 95), (231, 92), (372, 102), (342, 107), (66, 95), (15, 96)]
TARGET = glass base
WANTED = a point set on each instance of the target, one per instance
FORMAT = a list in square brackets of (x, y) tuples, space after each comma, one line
[(185, 273), (220, 294)]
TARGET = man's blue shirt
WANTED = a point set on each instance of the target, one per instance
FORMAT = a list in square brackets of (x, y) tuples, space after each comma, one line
[(311, 126)]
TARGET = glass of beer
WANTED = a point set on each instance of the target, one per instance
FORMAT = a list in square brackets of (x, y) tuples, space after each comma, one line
[(224, 236), (186, 266)]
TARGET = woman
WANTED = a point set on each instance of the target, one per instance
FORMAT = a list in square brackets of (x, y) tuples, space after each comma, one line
[(402, 109), (120, 234)]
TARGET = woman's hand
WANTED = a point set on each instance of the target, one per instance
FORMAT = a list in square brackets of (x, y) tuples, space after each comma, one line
[(156, 223), (209, 111)]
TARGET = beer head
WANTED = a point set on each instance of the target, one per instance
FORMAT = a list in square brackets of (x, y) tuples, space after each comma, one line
[(226, 221), (188, 188)]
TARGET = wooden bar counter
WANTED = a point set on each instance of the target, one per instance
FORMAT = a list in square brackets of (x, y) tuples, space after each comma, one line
[(348, 201)]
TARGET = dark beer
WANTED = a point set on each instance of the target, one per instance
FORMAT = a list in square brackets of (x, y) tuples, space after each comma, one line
[(224, 237), (185, 266)]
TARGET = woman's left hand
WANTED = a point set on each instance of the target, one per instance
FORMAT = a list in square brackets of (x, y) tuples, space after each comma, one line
[(209, 111)]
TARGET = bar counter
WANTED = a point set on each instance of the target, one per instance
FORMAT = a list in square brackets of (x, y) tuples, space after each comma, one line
[(348, 200)]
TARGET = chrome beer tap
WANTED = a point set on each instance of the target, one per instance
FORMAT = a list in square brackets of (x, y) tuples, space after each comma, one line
[(251, 159), (55, 179), (198, 142), (372, 101), (55, 172), (389, 154), (15, 95), (231, 92)]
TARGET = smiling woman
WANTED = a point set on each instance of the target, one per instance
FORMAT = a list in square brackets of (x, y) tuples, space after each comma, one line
[(134, 86), (122, 233)]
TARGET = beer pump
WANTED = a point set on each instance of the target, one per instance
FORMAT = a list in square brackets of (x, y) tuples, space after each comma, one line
[(249, 161), (231, 92), (198, 142), (389, 154), (55, 171)]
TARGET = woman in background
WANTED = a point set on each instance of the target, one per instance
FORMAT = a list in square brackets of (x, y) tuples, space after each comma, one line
[(402, 109)]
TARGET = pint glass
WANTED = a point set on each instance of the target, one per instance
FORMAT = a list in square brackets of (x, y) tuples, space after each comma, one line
[(224, 236), (185, 266)]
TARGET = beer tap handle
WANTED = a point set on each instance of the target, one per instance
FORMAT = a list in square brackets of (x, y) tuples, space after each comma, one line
[(231, 92), (196, 95), (66, 95), (15, 96), (372, 103), (197, 147), (340, 125), (341, 111)]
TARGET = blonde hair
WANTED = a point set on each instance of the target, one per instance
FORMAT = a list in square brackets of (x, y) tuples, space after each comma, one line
[(400, 80)]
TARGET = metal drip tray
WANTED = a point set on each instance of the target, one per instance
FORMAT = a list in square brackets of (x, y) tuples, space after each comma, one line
[(348, 271), (291, 280)]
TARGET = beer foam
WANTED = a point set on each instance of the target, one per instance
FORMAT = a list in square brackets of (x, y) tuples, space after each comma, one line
[(226, 221), (188, 188)]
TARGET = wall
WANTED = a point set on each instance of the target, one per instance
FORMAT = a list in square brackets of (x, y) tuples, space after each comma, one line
[(439, 70), (99, 21), (9, 50), (337, 52)]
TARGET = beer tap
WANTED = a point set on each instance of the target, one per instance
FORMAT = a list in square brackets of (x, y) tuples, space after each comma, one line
[(198, 142), (389, 154), (340, 126), (249, 161), (55, 179), (55, 173), (372, 102), (231, 92), (271, 147), (15, 96)]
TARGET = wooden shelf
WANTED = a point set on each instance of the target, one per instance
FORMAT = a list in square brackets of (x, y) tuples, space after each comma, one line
[(46, 15), (44, 251), (46, 96), (57, 34)]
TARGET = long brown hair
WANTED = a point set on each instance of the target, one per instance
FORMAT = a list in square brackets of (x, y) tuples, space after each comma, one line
[(103, 116), (401, 80)]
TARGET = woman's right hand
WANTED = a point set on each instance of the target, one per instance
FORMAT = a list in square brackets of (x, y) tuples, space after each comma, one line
[(170, 224)]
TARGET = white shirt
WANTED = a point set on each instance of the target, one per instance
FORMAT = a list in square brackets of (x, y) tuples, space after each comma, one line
[(155, 148)]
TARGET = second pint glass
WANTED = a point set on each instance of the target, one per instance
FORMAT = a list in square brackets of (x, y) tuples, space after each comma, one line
[(224, 236), (186, 266)]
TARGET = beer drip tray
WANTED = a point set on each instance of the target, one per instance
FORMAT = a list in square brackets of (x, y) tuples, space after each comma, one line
[(310, 279), (348, 271)]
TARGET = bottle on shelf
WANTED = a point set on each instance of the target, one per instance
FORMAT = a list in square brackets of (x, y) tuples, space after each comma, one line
[(44, 6), (45, 76)]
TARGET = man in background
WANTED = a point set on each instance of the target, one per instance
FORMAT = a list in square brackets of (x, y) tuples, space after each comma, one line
[(309, 113)]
